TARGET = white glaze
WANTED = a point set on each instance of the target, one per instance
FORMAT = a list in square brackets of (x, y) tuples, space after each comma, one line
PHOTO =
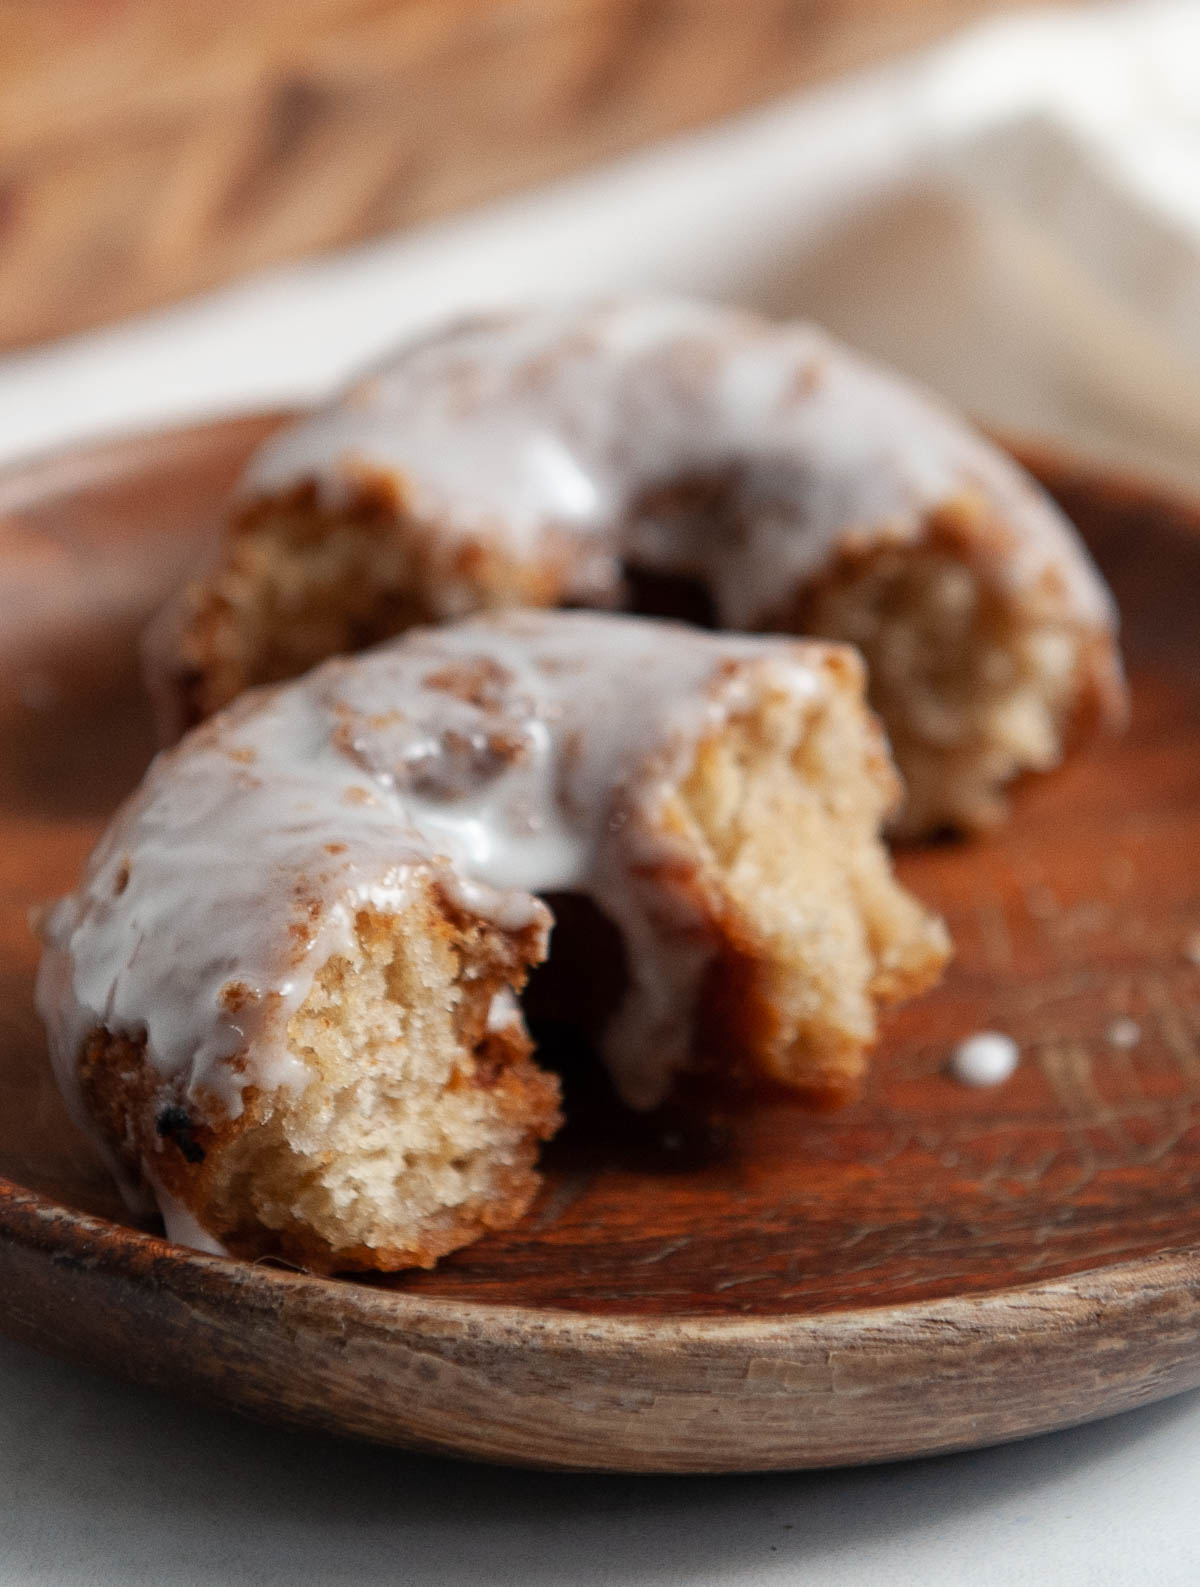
[(242, 859), (988, 1058), (523, 428), (182, 1227)]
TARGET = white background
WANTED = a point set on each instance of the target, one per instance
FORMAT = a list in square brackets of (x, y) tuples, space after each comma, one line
[(1017, 220), (100, 1483)]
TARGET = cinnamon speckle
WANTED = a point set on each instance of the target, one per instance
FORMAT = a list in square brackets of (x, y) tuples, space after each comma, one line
[(236, 995), (478, 680)]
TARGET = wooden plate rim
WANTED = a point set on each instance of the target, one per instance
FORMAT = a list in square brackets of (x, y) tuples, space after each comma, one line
[(39, 1224)]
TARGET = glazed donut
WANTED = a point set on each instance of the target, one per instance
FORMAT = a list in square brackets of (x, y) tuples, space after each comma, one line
[(651, 450), (285, 993)]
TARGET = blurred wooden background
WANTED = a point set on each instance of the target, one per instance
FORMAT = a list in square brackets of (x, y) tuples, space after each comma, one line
[(152, 148)]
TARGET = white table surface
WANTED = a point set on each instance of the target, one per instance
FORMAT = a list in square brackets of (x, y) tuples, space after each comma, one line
[(105, 1484), (109, 1485)]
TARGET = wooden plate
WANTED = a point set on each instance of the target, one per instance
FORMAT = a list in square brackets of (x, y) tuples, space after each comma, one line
[(933, 1268)]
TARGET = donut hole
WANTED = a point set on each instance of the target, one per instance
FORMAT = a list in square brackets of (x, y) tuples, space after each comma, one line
[(586, 973), (974, 686), (420, 1124), (568, 1003), (678, 596)]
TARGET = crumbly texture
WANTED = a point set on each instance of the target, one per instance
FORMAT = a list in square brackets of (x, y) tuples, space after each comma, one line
[(975, 688), (815, 933), (417, 1132), (297, 582), (419, 1126)]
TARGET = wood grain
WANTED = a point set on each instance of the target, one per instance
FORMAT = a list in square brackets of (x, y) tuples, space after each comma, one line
[(150, 148), (931, 1268)]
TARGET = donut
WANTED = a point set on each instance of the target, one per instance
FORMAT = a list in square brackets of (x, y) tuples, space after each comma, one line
[(286, 995), (682, 459)]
